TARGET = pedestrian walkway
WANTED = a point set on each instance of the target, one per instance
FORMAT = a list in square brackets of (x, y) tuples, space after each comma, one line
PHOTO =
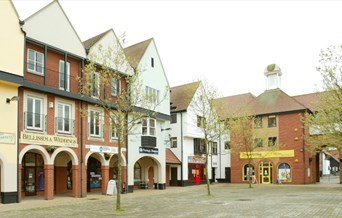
[(227, 200), (330, 179)]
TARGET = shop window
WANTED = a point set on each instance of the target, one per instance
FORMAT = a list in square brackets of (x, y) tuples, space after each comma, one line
[(64, 76), (196, 170), (32, 179), (173, 142), (272, 141), (35, 62), (258, 122), (258, 142), (137, 173), (248, 171), (284, 172), (199, 146), (95, 177), (272, 121), (69, 176)]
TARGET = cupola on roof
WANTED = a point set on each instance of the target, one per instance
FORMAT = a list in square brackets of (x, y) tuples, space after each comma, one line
[(273, 74)]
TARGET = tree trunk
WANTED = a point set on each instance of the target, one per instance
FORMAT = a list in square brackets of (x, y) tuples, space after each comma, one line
[(118, 194), (206, 167), (249, 173)]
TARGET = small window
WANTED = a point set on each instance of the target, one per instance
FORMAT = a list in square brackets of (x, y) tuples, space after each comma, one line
[(152, 95), (35, 62), (200, 121), (272, 141), (214, 148), (95, 123), (227, 145), (272, 121), (258, 142), (64, 76), (173, 142), (199, 146), (34, 117), (258, 122), (152, 62), (63, 119), (113, 131), (95, 85), (115, 87), (148, 127), (173, 118)]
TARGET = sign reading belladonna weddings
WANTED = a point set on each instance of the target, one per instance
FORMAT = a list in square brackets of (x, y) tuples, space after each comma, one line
[(52, 140), (268, 154)]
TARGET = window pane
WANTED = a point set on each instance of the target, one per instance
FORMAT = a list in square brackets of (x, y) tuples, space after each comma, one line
[(144, 131), (30, 105), (152, 131), (152, 123), (113, 86)]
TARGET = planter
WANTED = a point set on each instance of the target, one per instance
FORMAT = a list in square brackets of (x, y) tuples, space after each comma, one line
[(50, 149)]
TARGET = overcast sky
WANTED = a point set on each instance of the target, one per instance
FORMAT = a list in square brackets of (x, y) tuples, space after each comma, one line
[(230, 43)]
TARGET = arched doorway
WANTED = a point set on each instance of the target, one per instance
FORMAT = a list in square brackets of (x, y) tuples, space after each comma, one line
[(63, 174), (94, 174), (146, 173), (33, 177), (266, 172)]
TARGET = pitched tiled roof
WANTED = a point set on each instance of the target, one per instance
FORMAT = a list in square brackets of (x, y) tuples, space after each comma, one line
[(181, 96), (274, 101), (90, 42), (171, 158), (310, 101), (135, 52), (227, 106)]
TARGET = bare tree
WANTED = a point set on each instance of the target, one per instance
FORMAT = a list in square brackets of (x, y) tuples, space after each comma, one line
[(207, 119), (129, 104)]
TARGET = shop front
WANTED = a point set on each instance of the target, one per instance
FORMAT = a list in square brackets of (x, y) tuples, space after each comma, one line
[(196, 170)]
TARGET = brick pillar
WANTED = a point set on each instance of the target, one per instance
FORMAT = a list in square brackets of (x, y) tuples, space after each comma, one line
[(20, 170), (49, 183), (76, 192), (105, 178), (84, 181)]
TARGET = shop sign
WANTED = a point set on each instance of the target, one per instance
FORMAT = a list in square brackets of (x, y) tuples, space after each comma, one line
[(7, 138), (148, 150), (268, 154), (196, 159), (52, 140), (103, 149)]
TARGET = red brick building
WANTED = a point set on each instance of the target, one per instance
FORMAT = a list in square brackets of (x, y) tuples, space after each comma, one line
[(280, 153)]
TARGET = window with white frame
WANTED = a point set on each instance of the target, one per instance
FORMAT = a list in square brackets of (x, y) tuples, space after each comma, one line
[(152, 95), (113, 131), (149, 127), (95, 85), (35, 62), (63, 119), (214, 148), (64, 76), (173, 142), (34, 113), (115, 87), (95, 123)]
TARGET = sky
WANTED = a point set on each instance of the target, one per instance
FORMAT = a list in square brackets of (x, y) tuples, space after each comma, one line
[(228, 43)]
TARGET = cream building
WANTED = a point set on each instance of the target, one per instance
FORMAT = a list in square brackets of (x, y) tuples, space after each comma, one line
[(11, 77)]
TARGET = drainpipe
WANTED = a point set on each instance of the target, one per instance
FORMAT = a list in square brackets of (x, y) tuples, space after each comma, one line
[(126, 191), (82, 158), (304, 166), (220, 141), (18, 121), (182, 182)]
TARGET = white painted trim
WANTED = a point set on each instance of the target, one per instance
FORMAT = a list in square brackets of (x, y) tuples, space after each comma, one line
[(71, 152), (41, 150)]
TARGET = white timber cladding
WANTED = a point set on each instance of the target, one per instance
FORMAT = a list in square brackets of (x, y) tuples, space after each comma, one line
[(110, 42), (134, 143), (47, 26), (11, 40), (155, 78)]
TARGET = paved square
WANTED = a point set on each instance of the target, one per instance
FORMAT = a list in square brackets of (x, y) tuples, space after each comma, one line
[(227, 200)]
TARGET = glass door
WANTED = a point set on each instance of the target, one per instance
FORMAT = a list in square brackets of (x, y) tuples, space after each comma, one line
[(266, 172), (30, 181)]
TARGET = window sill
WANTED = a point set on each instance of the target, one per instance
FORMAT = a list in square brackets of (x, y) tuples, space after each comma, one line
[(67, 134), (35, 72), (96, 138), (35, 131)]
